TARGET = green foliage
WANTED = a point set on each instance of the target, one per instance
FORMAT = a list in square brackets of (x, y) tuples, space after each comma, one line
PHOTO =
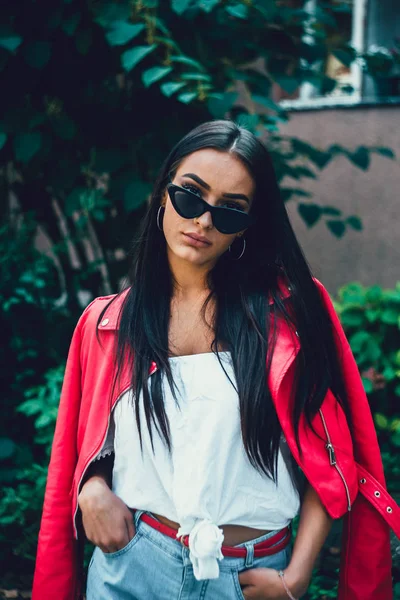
[(36, 330), (371, 319), (42, 404)]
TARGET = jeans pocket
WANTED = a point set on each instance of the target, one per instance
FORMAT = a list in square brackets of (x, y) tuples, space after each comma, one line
[(128, 546), (278, 561), (236, 582)]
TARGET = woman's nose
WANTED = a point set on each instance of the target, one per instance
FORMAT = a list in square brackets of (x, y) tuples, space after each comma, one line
[(205, 220)]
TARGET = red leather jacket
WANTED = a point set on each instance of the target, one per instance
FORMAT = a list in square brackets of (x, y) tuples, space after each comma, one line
[(346, 472)]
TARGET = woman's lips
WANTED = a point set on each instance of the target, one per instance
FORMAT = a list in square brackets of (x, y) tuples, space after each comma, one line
[(195, 242)]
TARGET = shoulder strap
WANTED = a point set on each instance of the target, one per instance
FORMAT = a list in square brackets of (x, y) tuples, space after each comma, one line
[(380, 498)]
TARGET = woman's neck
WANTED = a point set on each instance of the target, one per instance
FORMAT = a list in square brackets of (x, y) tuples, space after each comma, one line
[(189, 281)]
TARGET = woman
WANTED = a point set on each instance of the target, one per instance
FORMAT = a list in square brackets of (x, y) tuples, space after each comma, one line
[(245, 382)]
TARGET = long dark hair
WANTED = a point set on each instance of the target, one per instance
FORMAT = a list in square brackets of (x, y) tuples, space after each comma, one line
[(245, 321)]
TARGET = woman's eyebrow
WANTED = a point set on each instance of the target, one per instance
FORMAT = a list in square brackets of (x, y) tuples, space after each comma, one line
[(207, 187)]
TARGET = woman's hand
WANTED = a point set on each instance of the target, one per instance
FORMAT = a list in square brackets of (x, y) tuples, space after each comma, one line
[(265, 584), (106, 519)]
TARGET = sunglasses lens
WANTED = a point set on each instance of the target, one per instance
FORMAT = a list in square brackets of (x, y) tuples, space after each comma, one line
[(187, 205), (230, 221)]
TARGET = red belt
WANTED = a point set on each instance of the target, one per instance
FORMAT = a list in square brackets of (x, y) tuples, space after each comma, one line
[(271, 545)]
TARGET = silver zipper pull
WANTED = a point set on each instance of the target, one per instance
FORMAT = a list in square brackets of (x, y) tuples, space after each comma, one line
[(332, 457)]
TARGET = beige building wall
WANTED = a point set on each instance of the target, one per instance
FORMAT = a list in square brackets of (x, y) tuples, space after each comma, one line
[(371, 256)]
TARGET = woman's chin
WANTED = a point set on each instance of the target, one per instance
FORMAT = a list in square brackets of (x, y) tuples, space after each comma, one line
[(195, 256)]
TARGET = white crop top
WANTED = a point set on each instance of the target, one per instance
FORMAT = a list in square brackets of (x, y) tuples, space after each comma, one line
[(208, 480)]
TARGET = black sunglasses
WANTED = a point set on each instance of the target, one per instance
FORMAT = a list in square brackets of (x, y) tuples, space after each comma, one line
[(189, 205)]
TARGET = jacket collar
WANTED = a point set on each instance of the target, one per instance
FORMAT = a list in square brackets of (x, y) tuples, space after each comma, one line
[(110, 317)]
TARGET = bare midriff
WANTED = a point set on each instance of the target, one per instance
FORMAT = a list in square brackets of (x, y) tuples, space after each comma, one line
[(233, 534)]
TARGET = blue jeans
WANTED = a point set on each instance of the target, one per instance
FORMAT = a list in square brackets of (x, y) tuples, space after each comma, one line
[(153, 566)]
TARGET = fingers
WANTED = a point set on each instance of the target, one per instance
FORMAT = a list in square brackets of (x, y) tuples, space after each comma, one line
[(130, 526), (246, 577)]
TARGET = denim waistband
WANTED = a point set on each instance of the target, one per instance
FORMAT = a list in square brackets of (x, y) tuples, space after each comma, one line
[(177, 550)]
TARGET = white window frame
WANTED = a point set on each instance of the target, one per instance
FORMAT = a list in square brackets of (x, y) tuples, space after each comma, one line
[(306, 100)]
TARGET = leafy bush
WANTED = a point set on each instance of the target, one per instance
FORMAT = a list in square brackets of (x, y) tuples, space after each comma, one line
[(371, 319), (35, 332)]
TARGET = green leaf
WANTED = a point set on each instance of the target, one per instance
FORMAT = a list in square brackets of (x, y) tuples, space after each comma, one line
[(286, 82), (310, 213), (318, 157), (374, 293), (37, 54), (154, 74), (267, 102), (123, 32), (336, 227), (9, 40), (179, 6), (220, 104), (287, 193), (3, 139), (7, 448), (26, 145), (390, 316), (346, 57), (109, 160), (312, 51), (83, 40), (388, 152), (352, 318), (43, 421), (64, 127), (353, 293), (135, 194), (108, 12), (347, 89), (187, 97), (70, 25), (360, 158), (355, 223), (73, 201), (240, 11), (195, 77), (187, 61), (328, 84), (248, 121), (207, 5), (130, 58), (389, 373), (368, 387), (37, 119), (331, 211), (372, 314), (170, 88), (381, 421)]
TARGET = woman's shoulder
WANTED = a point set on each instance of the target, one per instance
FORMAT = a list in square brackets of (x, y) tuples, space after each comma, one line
[(106, 307)]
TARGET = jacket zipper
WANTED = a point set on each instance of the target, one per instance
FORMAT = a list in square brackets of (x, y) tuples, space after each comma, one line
[(332, 459), (92, 457)]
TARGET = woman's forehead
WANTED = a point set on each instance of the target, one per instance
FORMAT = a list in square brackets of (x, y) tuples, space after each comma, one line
[(220, 170)]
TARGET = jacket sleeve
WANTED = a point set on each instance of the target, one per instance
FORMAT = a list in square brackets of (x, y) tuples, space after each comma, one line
[(58, 555), (365, 566)]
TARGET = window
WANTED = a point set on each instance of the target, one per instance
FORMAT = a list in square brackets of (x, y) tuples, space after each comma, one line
[(349, 28)]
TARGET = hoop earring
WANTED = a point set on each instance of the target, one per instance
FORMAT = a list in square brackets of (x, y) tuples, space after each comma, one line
[(158, 218), (241, 254)]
